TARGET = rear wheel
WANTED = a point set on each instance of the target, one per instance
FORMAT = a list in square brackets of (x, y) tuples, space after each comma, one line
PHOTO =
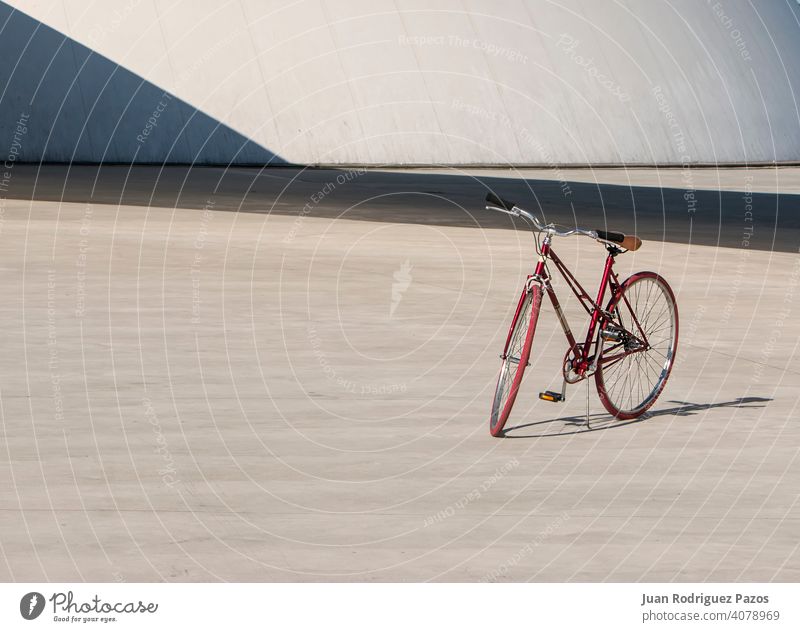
[(633, 371), (515, 359)]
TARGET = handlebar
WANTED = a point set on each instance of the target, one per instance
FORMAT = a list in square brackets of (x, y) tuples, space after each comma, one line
[(496, 203)]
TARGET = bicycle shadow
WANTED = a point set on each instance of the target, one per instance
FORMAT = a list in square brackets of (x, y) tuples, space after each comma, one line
[(604, 421)]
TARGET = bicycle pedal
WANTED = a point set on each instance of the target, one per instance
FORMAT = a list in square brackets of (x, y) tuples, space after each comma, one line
[(551, 396)]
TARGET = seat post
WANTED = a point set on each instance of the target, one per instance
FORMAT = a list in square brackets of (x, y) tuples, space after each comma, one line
[(599, 304)]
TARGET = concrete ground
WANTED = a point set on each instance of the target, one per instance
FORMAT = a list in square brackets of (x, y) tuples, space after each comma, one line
[(192, 393)]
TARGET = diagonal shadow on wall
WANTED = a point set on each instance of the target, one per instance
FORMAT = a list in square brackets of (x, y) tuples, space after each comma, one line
[(78, 106)]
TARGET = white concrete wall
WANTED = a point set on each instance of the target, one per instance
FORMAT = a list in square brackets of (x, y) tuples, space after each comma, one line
[(422, 81)]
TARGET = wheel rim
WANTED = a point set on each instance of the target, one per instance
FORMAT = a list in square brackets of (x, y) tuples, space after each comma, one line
[(512, 362), (631, 385)]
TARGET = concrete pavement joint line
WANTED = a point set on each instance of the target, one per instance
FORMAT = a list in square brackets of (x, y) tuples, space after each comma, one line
[(83, 509), (89, 414)]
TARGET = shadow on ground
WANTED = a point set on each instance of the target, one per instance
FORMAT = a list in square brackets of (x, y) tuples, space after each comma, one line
[(709, 218), (68, 96), (604, 421)]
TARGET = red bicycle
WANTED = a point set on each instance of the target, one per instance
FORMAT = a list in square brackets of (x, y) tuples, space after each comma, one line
[(630, 343)]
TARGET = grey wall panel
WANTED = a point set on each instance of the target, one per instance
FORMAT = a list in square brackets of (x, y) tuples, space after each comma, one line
[(408, 81)]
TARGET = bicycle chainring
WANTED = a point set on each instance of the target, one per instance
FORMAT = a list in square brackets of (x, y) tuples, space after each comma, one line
[(570, 375)]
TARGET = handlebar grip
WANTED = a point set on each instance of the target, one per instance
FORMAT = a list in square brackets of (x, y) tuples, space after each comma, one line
[(629, 242), (494, 200)]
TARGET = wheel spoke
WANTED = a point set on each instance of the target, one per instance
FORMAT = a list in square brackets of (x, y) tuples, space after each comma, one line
[(513, 364), (632, 382)]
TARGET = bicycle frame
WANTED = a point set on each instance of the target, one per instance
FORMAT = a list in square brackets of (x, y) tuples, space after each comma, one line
[(584, 359), (615, 333)]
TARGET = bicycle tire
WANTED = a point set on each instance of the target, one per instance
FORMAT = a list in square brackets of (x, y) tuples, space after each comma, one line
[(519, 341), (630, 386)]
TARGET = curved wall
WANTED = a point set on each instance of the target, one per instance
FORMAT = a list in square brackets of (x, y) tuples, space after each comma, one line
[(403, 81)]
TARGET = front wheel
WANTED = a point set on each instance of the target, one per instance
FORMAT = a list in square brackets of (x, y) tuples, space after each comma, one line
[(515, 358), (634, 368)]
